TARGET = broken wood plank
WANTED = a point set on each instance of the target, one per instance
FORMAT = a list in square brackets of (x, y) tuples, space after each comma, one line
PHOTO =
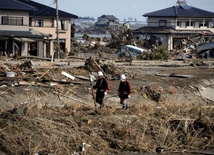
[(33, 57), (69, 97), (98, 65), (44, 74), (175, 75), (26, 83), (68, 75), (82, 77), (61, 82), (15, 78)]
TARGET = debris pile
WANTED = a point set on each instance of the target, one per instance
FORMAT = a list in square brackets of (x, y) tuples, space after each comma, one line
[(50, 110), (109, 69), (153, 91)]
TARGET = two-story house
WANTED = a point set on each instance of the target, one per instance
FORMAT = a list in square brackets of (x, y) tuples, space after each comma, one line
[(107, 21), (14, 28), (44, 20), (29, 28), (176, 23)]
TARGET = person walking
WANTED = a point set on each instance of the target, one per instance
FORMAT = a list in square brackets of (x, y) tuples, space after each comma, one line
[(102, 87), (124, 91)]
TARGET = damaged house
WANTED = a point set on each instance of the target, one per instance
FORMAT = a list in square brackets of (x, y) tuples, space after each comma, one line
[(29, 28), (175, 26), (107, 21)]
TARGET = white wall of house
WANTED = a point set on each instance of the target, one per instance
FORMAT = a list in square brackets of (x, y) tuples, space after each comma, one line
[(182, 23), (15, 14), (194, 24), (155, 22), (187, 24)]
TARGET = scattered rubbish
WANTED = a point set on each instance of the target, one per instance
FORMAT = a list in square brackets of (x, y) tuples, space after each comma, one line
[(82, 77), (53, 84), (3, 86), (84, 146), (76, 153), (10, 74), (133, 50), (22, 108), (92, 78), (175, 75), (68, 75), (207, 93), (154, 91), (158, 107), (15, 84), (159, 149)]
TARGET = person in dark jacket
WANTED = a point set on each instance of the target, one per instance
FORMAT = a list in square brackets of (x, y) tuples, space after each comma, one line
[(102, 87), (124, 91)]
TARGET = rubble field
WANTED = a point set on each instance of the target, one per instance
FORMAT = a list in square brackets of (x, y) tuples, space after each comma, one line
[(49, 109)]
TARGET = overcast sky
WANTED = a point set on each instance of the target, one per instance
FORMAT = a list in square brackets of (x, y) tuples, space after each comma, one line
[(121, 8)]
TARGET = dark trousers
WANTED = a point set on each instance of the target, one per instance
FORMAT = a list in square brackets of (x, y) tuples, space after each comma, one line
[(123, 97), (100, 97)]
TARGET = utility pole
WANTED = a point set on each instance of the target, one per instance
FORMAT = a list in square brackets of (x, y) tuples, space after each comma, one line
[(57, 31)]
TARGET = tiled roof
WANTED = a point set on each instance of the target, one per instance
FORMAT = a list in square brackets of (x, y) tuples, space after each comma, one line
[(15, 5), (109, 17), (178, 11), (46, 11)]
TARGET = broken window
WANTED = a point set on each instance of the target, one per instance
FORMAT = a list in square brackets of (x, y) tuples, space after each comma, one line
[(204, 23), (39, 23), (192, 24), (187, 23), (62, 24), (179, 23)]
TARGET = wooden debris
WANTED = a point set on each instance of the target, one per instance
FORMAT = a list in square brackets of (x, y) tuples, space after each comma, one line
[(68, 75), (82, 77), (175, 75), (72, 98), (34, 57), (44, 74)]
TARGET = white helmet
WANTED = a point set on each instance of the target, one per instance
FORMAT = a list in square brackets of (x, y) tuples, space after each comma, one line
[(122, 77), (99, 73)]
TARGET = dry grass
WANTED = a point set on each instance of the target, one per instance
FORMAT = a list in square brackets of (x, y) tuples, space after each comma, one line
[(56, 125), (63, 130)]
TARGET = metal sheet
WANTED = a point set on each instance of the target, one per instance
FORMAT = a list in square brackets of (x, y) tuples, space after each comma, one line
[(207, 46)]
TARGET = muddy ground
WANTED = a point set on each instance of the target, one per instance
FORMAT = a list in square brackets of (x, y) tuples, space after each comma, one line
[(45, 112)]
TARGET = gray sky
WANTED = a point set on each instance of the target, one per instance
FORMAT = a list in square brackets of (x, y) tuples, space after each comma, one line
[(121, 8)]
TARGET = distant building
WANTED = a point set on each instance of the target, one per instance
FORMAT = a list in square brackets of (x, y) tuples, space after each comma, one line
[(178, 22), (107, 21)]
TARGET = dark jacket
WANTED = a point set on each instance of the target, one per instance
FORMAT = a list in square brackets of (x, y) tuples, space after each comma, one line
[(101, 85), (124, 89)]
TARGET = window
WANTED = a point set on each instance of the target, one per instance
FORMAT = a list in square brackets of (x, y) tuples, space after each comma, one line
[(187, 23), (206, 24), (193, 24), (6, 20), (162, 23), (39, 23), (179, 23), (62, 24)]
